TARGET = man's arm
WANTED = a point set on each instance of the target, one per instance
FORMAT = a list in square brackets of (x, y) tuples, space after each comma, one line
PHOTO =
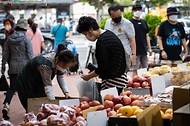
[(67, 34), (133, 49), (185, 47), (148, 44)]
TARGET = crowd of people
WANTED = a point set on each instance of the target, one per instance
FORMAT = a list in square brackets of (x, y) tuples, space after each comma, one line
[(122, 45)]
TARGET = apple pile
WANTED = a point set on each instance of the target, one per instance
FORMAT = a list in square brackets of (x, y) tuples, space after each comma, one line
[(113, 103), (139, 82)]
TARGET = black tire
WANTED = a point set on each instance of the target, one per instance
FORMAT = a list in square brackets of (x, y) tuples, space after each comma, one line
[(48, 45)]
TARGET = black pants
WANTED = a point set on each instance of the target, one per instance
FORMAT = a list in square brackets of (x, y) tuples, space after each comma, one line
[(12, 88)]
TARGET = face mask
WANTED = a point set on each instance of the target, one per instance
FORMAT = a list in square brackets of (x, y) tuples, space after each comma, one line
[(137, 13), (59, 68), (173, 17), (92, 38), (7, 27), (117, 20)]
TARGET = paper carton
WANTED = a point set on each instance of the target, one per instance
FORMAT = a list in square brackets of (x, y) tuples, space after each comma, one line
[(181, 97), (149, 117), (34, 104)]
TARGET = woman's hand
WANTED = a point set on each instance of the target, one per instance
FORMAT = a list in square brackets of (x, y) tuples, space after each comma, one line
[(67, 95), (85, 77), (2, 71)]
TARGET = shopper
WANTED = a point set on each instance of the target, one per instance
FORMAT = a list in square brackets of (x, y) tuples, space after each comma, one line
[(60, 32), (142, 39), (125, 31), (9, 28), (171, 38), (36, 37), (110, 54), (17, 51), (35, 78)]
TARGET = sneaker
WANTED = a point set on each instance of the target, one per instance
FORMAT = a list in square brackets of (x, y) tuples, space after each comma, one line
[(5, 112)]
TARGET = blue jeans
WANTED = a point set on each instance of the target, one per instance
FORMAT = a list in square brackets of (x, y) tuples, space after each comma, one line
[(12, 88)]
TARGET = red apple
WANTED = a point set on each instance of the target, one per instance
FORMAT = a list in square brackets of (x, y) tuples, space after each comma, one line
[(84, 106), (108, 97), (133, 97), (135, 79), (126, 100), (101, 107), (136, 85), (85, 98), (108, 104), (117, 106), (90, 103), (148, 79), (130, 83), (145, 84), (116, 100), (95, 103), (135, 103), (111, 113), (144, 79)]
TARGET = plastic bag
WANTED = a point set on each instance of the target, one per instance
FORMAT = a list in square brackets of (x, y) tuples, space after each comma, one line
[(3, 83), (6, 123), (87, 88)]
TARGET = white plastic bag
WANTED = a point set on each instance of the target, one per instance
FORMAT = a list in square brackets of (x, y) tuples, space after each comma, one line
[(87, 88)]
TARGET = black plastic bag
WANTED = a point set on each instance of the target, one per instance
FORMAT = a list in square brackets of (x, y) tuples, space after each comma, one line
[(3, 83)]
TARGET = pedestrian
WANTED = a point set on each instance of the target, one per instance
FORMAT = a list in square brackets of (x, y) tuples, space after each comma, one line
[(9, 29), (60, 32), (125, 31), (41, 24), (142, 39), (171, 38), (36, 37), (110, 54), (18, 51), (35, 79)]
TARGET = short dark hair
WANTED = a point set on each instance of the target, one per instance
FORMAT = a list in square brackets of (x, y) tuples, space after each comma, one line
[(113, 8), (85, 23), (9, 20)]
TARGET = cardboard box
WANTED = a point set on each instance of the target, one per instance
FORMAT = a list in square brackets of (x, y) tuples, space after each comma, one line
[(149, 117), (34, 104), (181, 97)]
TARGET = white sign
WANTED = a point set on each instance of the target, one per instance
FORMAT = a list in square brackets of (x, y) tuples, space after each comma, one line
[(99, 120), (69, 102), (141, 71), (112, 91), (158, 84)]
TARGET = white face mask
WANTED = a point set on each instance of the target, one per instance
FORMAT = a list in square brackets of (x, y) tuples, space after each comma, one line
[(173, 17), (137, 13), (7, 27), (59, 68), (92, 38)]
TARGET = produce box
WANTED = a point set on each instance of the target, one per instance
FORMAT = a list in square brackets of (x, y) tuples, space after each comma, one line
[(181, 97), (149, 117), (34, 104)]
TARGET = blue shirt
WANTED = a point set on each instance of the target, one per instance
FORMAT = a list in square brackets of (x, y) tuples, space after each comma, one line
[(60, 35)]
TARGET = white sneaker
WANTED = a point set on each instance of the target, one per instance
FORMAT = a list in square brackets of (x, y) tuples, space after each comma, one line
[(5, 112)]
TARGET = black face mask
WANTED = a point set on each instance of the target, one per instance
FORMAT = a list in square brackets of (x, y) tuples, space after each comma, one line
[(117, 20)]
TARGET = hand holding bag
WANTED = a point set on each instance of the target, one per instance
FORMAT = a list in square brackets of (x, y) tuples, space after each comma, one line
[(3, 83)]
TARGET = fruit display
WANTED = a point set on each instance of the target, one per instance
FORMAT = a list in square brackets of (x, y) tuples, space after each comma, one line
[(139, 82), (157, 71), (180, 76), (54, 115)]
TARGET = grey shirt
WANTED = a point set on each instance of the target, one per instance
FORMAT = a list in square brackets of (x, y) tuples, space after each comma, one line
[(124, 30)]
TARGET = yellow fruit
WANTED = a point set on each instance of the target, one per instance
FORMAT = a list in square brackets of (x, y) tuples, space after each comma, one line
[(162, 113), (133, 116), (167, 116), (137, 111), (134, 108), (169, 111), (126, 111)]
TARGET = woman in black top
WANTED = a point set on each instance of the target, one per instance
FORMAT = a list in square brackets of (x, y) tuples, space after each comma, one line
[(109, 53)]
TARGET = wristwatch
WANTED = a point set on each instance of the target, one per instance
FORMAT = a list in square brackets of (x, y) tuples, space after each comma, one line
[(161, 50)]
